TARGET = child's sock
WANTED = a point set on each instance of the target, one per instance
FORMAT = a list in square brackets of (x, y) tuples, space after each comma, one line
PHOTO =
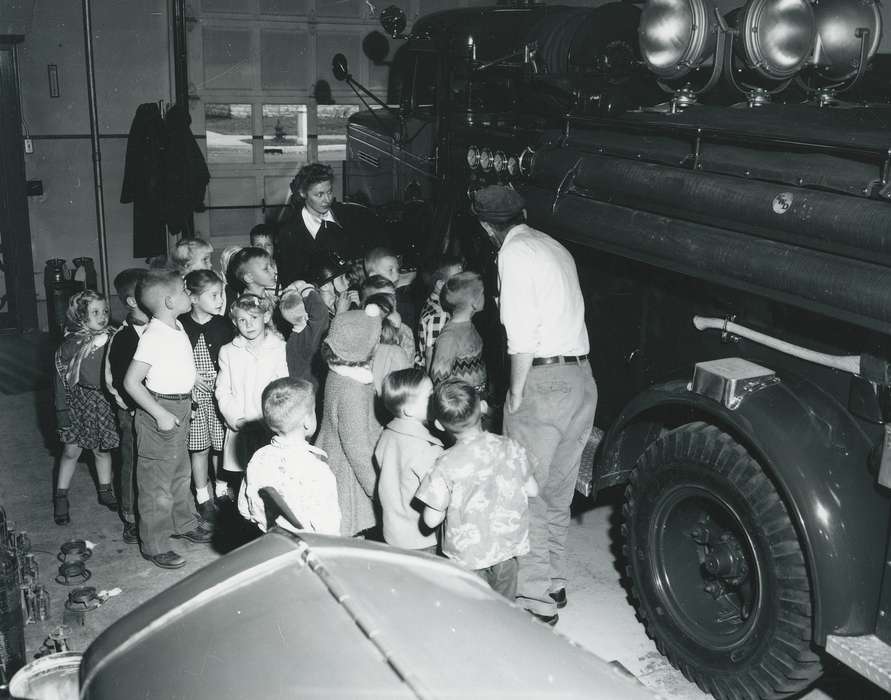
[(221, 489), (60, 507), (202, 494)]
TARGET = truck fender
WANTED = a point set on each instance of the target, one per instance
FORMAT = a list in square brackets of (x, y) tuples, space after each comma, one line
[(817, 456)]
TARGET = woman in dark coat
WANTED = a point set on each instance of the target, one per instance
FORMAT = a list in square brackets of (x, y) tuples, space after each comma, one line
[(309, 229)]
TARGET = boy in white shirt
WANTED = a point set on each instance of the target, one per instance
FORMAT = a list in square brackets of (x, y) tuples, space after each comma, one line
[(289, 464), (160, 380)]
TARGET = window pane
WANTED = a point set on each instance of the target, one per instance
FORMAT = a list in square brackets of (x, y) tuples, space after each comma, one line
[(283, 60), (284, 133), (339, 8), (283, 7), (242, 6), (227, 59), (229, 130), (332, 124)]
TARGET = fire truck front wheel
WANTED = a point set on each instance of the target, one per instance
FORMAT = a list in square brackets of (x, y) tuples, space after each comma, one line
[(717, 571)]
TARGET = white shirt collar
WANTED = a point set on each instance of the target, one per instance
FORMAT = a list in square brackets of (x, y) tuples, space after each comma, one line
[(314, 222)]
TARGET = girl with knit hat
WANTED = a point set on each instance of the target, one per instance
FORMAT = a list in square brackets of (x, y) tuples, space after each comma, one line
[(85, 417), (349, 428)]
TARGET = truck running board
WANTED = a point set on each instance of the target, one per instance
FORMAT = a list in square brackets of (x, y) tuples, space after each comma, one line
[(584, 483), (868, 655)]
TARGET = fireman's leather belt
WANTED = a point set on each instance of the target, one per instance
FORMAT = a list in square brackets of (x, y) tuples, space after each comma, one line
[(560, 360), (170, 397)]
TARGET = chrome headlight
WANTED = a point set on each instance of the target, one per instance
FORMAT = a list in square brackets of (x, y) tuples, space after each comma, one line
[(486, 159), (839, 22), (677, 36), (499, 161), (777, 36), (473, 156), (513, 166)]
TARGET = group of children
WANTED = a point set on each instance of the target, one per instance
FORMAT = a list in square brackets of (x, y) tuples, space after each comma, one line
[(180, 384)]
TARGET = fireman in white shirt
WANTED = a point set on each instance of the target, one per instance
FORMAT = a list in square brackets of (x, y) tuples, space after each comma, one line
[(552, 397)]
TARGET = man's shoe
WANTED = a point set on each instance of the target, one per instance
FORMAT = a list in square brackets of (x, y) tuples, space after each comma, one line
[(166, 560), (131, 533), (559, 597), (200, 534), (547, 619)]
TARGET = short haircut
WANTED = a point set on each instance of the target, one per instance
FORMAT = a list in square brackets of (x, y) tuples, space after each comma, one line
[(186, 249), (400, 386), (374, 285), (461, 290), (286, 403), (291, 300), (377, 255), (251, 304), (439, 271), (262, 231), (199, 280), (456, 404), (125, 282), (154, 286), (78, 306), (238, 266)]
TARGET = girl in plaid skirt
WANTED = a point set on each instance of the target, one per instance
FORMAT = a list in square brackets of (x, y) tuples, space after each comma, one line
[(208, 331), (84, 413)]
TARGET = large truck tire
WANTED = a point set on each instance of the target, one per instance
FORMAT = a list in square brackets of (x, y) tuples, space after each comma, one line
[(717, 571)]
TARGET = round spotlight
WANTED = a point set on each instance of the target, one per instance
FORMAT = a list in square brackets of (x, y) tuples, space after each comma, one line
[(473, 156), (486, 159), (513, 166), (498, 161), (777, 36), (677, 36), (839, 25)]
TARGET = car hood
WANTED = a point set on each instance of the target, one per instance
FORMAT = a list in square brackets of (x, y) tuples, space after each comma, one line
[(323, 616)]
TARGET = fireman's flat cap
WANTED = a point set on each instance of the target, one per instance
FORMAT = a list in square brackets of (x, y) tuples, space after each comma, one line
[(497, 204)]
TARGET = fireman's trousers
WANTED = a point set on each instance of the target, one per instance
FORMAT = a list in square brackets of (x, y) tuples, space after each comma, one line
[(553, 423)]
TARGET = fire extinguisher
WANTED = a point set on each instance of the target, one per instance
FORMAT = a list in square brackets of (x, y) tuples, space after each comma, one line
[(12, 623)]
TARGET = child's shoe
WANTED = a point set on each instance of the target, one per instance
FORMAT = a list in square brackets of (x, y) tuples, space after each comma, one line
[(131, 533), (60, 507), (107, 497), (208, 511)]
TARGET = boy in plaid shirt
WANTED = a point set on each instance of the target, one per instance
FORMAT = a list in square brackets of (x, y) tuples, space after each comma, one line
[(433, 316)]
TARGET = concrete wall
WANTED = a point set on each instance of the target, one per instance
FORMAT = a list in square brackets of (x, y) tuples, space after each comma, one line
[(132, 62)]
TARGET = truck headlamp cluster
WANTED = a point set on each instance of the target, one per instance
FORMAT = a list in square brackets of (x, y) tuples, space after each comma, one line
[(767, 41), (498, 165)]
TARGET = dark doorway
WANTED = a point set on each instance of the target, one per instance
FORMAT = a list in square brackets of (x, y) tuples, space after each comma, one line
[(18, 307)]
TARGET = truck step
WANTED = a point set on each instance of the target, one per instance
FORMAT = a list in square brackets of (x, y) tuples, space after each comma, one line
[(585, 482), (868, 655)]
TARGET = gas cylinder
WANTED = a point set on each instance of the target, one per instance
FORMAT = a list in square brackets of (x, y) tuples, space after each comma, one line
[(59, 289), (12, 622)]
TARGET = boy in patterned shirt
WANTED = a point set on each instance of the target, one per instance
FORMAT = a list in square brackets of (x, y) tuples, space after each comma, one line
[(458, 352), (290, 465), (480, 487), (433, 316)]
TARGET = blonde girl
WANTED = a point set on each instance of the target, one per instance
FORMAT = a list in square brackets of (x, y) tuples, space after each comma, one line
[(85, 416)]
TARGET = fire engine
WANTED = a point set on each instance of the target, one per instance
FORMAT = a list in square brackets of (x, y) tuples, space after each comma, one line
[(723, 183)]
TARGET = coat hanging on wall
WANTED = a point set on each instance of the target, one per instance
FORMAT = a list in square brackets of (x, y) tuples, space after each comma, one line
[(185, 173), (143, 180)]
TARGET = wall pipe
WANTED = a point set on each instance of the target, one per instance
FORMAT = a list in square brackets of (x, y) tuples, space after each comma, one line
[(94, 141)]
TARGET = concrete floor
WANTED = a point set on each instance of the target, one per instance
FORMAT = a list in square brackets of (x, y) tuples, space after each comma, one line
[(598, 616)]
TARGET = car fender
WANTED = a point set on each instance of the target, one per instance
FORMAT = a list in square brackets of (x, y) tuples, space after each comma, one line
[(818, 457)]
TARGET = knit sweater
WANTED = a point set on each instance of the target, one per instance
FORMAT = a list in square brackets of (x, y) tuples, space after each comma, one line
[(458, 353), (348, 435)]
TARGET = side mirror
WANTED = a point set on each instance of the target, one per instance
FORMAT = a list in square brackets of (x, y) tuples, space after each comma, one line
[(393, 21), (340, 67)]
